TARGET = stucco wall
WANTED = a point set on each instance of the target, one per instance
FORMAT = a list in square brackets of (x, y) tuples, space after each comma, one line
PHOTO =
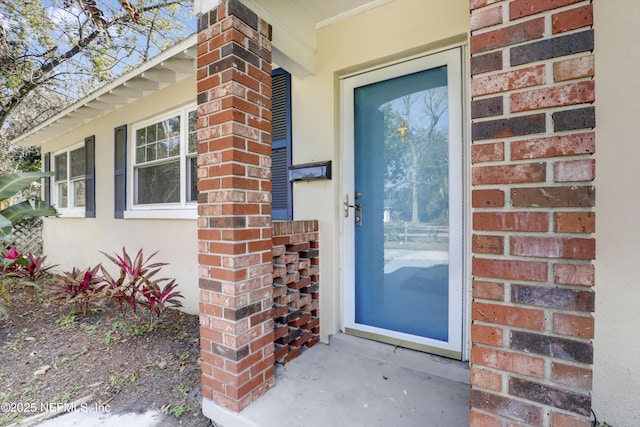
[(392, 32), (617, 333), (397, 30), (78, 241)]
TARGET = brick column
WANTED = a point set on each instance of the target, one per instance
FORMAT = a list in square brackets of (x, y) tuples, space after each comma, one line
[(532, 195), (234, 205)]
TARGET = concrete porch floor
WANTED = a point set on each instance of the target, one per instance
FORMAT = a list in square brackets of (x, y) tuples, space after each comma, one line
[(357, 382)]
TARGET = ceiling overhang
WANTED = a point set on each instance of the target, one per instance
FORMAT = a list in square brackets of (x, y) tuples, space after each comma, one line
[(295, 24)]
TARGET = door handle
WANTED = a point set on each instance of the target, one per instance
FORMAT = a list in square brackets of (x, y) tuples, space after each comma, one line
[(345, 203), (358, 209)]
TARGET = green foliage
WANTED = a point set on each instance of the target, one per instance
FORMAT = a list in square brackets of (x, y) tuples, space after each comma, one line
[(93, 329), (110, 337), (74, 356), (177, 411), (68, 320), (10, 184)]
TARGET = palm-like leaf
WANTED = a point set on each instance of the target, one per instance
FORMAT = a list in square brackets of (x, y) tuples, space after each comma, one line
[(11, 183), (15, 213), (6, 228)]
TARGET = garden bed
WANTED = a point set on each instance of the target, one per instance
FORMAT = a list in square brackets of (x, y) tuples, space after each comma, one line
[(50, 355)]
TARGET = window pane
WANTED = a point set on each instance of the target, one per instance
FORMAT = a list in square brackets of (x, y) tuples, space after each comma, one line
[(193, 121), (140, 155), (159, 141), (174, 144), (158, 184), (192, 180), (163, 149), (141, 137), (61, 167), (173, 126), (193, 130), (151, 152), (160, 131), (63, 198), (193, 143), (78, 193), (151, 133), (77, 163)]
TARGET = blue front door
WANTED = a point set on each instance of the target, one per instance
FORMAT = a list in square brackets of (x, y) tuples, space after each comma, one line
[(407, 238)]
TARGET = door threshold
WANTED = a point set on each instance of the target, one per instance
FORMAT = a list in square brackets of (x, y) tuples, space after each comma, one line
[(429, 363), (451, 354)]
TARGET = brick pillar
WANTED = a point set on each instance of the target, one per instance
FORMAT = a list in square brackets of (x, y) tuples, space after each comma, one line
[(234, 205), (532, 83)]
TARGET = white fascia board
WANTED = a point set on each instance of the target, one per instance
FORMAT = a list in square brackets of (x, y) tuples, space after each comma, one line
[(351, 13)]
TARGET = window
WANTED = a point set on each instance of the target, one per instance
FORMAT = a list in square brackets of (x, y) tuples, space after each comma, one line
[(164, 162), (156, 173), (74, 180)]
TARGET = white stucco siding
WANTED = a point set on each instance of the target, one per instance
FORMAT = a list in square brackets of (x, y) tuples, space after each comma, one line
[(77, 242), (392, 32), (617, 326)]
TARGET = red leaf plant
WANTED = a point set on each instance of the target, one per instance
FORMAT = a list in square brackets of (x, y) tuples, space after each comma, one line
[(12, 260), (29, 268), (136, 286), (33, 271), (80, 287)]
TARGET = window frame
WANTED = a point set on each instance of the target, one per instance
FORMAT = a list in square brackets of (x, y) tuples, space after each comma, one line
[(71, 210), (183, 208)]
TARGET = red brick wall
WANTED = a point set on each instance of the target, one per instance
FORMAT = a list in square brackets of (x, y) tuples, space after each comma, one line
[(296, 278), (234, 205), (532, 198)]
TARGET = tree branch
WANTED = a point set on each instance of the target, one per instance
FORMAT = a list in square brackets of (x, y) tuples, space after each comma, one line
[(40, 75)]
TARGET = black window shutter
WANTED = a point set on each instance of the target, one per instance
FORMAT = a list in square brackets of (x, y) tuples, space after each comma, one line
[(90, 176), (47, 180), (281, 191), (120, 177)]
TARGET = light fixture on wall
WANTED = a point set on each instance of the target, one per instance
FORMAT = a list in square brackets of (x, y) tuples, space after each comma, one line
[(402, 131)]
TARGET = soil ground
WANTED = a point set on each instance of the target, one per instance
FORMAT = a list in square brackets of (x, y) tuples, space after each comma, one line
[(50, 356)]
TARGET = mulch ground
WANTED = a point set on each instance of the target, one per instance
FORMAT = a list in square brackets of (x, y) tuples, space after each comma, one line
[(50, 356)]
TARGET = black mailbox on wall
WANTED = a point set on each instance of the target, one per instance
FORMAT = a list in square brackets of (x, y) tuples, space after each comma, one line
[(310, 171)]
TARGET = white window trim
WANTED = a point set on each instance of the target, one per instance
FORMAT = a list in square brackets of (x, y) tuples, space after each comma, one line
[(187, 213), (75, 211), (182, 210)]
